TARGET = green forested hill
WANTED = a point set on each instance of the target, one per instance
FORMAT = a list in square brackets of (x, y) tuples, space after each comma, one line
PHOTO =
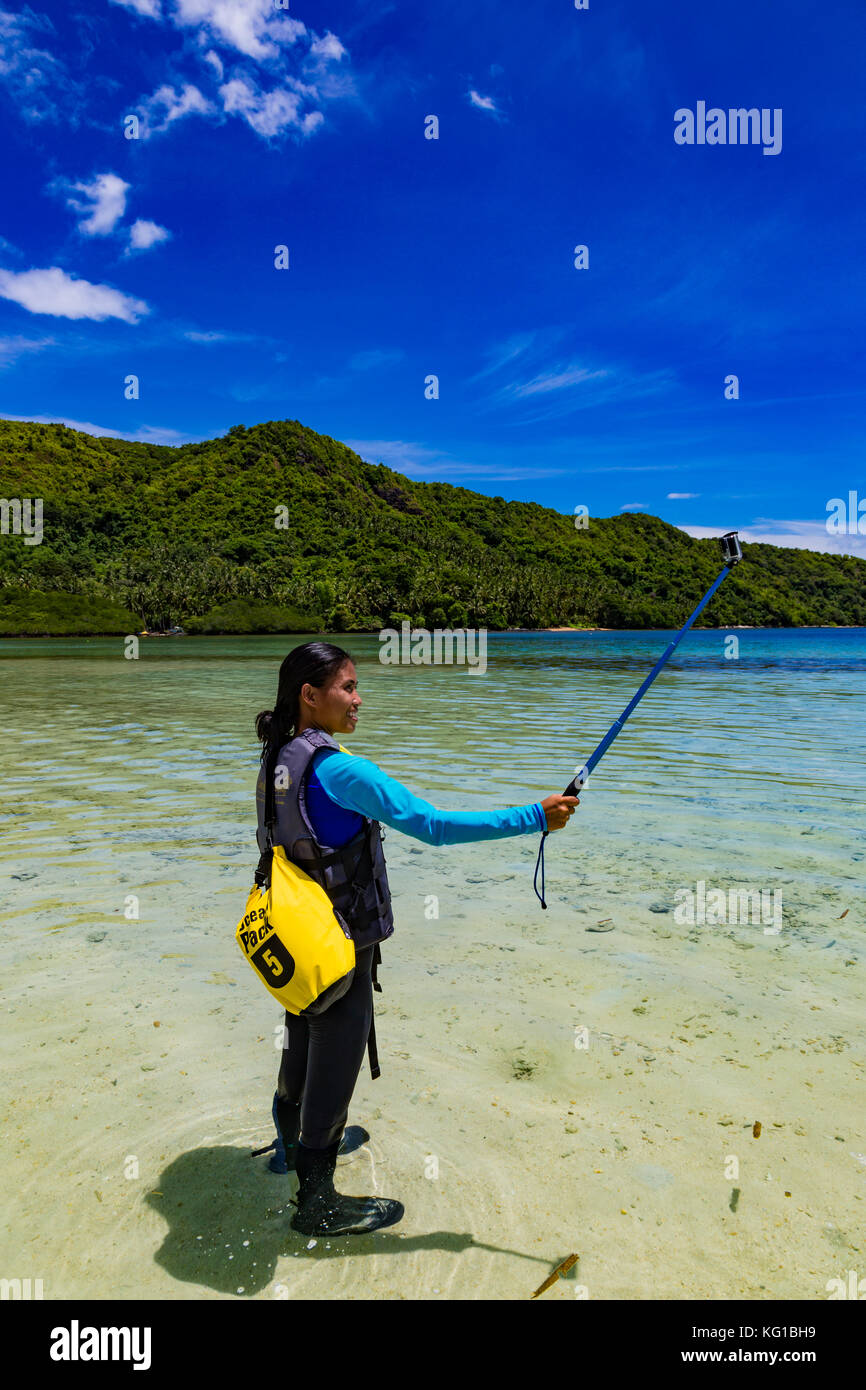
[(188, 535)]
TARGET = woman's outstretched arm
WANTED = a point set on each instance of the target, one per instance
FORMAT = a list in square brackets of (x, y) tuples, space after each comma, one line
[(359, 785)]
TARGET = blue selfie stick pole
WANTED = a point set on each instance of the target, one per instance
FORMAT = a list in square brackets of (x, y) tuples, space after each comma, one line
[(732, 553)]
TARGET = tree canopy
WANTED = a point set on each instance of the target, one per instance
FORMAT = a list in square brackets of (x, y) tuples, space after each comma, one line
[(277, 528)]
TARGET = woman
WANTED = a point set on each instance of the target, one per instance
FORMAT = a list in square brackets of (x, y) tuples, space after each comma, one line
[(327, 808)]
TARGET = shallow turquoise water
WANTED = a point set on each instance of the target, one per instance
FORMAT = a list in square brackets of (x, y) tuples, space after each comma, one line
[(748, 770)]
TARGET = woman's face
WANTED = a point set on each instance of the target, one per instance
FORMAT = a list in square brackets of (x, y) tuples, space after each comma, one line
[(334, 707)]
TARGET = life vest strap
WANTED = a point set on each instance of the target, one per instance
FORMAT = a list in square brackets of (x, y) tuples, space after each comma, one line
[(372, 1050), (324, 861)]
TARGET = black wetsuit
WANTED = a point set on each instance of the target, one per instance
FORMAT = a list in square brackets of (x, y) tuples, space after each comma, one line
[(322, 1056)]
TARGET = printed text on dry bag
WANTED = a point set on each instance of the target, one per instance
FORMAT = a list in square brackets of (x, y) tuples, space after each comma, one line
[(265, 951)]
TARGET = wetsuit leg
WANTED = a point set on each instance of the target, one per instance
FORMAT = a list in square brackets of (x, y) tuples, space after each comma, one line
[(293, 1068), (337, 1043)]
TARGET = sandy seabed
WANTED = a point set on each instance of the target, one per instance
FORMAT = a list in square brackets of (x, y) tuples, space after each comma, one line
[(141, 1077)]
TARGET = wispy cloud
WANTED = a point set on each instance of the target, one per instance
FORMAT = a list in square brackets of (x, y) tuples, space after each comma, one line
[(13, 348), (196, 335), (146, 434), (798, 535), (38, 81), (557, 388), (483, 103), (502, 353), (53, 291), (557, 380), (375, 357), (418, 461), (634, 506), (681, 496)]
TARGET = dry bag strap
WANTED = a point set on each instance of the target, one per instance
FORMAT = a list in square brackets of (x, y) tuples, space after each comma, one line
[(262, 875)]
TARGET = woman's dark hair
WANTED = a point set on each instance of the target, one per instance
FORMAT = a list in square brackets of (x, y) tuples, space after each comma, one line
[(313, 663)]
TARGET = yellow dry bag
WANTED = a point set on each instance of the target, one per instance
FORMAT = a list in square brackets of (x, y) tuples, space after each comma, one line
[(299, 946)]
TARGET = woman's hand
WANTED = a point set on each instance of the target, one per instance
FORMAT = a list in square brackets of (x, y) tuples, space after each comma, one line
[(559, 810)]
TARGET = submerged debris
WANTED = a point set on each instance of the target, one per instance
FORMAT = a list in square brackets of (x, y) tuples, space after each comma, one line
[(559, 1273)]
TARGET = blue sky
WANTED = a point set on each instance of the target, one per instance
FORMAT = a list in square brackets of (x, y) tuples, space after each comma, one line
[(261, 126)]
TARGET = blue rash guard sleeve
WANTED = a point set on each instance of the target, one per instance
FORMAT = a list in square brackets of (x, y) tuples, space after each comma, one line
[(359, 785)]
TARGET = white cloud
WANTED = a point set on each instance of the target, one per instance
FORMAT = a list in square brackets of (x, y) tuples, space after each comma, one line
[(167, 105), (143, 235), (258, 31), (268, 113), (149, 8), (798, 535), (633, 506), (483, 103), (103, 203), (255, 28), (54, 292), (216, 63), (681, 496), (327, 47), (264, 34)]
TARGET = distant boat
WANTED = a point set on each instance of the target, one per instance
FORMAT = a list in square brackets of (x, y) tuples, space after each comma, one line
[(159, 632)]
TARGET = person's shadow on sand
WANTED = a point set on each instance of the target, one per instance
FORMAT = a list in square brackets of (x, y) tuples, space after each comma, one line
[(217, 1204)]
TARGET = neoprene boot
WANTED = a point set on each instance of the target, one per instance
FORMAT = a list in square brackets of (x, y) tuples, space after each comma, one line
[(286, 1115), (287, 1122), (323, 1212)]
